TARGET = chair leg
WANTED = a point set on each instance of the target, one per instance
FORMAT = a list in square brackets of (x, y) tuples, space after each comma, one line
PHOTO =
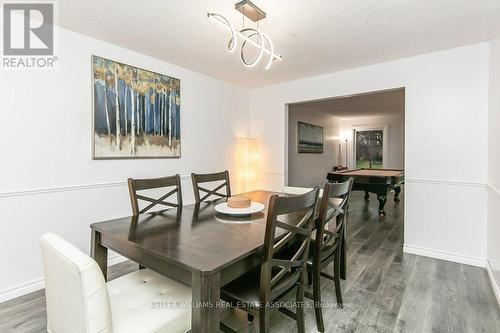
[(343, 257), (263, 320), (336, 278), (250, 318), (301, 327), (318, 310)]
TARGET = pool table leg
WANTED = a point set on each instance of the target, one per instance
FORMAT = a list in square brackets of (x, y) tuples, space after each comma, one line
[(382, 199), (366, 195), (397, 190)]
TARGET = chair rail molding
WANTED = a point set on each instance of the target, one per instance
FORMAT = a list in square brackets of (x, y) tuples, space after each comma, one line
[(418, 181), (494, 188), (61, 189), (445, 182), (67, 188)]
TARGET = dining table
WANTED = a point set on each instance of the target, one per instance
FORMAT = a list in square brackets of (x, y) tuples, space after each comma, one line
[(194, 245)]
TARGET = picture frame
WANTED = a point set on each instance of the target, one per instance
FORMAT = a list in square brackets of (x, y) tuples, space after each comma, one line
[(310, 138), (143, 105)]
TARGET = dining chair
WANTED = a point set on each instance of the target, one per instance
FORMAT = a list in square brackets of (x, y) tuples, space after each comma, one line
[(328, 244), (80, 301), (137, 185), (208, 178), (258, 291)]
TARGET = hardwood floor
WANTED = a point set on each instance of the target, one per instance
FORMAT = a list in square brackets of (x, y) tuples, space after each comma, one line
[(386, 290)]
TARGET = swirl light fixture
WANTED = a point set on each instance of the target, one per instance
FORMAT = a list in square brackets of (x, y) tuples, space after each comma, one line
[(249, 36)]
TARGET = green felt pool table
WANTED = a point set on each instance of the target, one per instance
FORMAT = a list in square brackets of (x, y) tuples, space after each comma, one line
[(377, 181)]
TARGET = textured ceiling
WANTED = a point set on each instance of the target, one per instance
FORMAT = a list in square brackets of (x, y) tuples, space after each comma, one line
[(381, 103), (313, 36)]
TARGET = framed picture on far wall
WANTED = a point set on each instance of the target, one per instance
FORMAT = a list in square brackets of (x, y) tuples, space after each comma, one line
[(136, 112), (309, 138)]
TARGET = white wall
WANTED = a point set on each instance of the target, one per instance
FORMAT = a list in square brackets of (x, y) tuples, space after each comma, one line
[(394, 153), (494, 165), (50, 183), (446, 114), (309, 170)]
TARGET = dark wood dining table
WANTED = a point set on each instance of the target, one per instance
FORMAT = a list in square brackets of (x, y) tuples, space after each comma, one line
[(193, 245)]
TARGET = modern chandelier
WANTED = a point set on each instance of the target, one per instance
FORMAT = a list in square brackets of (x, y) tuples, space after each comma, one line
[(252, 36)]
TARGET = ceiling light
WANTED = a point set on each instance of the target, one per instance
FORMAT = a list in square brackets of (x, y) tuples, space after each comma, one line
[(248, 36)]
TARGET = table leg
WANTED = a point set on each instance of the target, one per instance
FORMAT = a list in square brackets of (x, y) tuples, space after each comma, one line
[(397, 190), (205, 316), (382, 199), (367, 196), (99, 253)]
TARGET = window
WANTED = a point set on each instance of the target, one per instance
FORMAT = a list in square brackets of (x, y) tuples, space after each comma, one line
[(369, 148)]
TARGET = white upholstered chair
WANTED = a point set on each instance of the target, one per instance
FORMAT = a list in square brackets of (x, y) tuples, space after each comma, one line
[(80, 301)]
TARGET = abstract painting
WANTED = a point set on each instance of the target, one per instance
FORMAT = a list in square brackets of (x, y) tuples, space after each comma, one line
[(309, 138), (136, 112)]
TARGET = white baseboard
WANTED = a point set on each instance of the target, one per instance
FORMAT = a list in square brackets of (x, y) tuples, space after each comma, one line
[(494, 284), (21, 290), (448, 256), (29, 287)]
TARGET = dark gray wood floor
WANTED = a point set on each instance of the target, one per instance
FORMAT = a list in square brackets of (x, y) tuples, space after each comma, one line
[(386, 290)]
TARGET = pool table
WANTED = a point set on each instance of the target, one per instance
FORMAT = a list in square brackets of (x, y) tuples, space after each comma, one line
[(377, 181)]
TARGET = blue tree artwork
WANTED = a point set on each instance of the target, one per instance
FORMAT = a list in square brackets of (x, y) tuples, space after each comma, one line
[(136, 112)]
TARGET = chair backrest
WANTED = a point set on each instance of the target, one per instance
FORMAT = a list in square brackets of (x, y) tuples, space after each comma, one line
[(334, 206), (281, 272), (203, 194), (136, 185), (76, 293)]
